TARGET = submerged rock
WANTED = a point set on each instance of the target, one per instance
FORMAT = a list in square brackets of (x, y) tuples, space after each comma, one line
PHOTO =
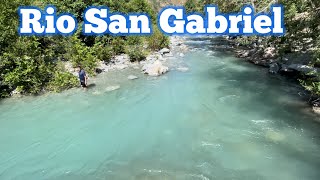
[(183, 69), (132, 77), (112, 88), (274, 136), (155, 69), (96, 93), (274, 68)]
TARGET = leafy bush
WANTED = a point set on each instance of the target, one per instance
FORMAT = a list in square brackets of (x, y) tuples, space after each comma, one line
[(157, 40), (317, 53), (62, 81), (134, 40), (118, 45), (79, 54), (103, 53), (136, 53), (26, 66)]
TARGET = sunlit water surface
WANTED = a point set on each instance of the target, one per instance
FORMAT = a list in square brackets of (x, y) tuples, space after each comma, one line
[(223, 119)]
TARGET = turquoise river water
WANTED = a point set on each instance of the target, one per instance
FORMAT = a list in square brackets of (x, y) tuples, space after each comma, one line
[(222, 119)]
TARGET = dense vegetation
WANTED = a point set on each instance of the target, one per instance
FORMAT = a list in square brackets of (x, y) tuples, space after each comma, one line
[(33, 64), (302, 21)]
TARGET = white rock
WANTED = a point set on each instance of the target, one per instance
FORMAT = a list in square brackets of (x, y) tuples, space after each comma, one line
[(181, 55), (112, 88), (316, 110), (164, 51), (15, 93), (132, 77), (155, 69), (121, 66), (269, 52), (169, 55), (121, 59)]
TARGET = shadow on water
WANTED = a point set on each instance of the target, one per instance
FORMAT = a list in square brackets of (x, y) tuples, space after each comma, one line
[(91, 85)]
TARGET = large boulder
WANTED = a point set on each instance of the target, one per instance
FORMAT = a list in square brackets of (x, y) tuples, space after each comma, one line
[(112, 88), (155, 69), (304, 69)]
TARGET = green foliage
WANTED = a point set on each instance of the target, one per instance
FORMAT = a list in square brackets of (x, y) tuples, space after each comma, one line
[(142, 6), (118, 45), (191, 6), (62, 81), (157, 40), (102, 52), (30, 64), (136, 53), (317, 53), (311, 85), (134, 40), (27, 66)]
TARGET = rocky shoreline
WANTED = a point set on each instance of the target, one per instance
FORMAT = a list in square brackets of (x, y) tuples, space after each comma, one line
[(294, 65), (153, 65)]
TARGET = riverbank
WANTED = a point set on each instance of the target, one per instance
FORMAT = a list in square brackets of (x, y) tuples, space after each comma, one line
[(121, 62), (295, 65)]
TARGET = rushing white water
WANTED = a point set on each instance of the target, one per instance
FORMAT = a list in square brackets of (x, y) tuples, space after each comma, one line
[(222, 119)]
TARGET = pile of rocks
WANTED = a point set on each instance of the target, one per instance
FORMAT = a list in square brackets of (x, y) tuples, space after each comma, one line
[(153, 65)]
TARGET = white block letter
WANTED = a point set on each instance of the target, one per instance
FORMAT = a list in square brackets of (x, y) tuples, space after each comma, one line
[(50, 20), (145, 24), (213, 19), (71, 24), (178, 24), (197, 22), (247, 20), (277, 20), (262, 24), (118, 24), (234, 20), (100, 25), (27, 21)]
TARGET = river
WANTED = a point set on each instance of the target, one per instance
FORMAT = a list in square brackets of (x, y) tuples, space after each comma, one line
[(222, 119)]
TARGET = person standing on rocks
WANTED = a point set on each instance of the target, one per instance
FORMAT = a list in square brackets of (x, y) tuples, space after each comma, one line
[(82, 77)]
